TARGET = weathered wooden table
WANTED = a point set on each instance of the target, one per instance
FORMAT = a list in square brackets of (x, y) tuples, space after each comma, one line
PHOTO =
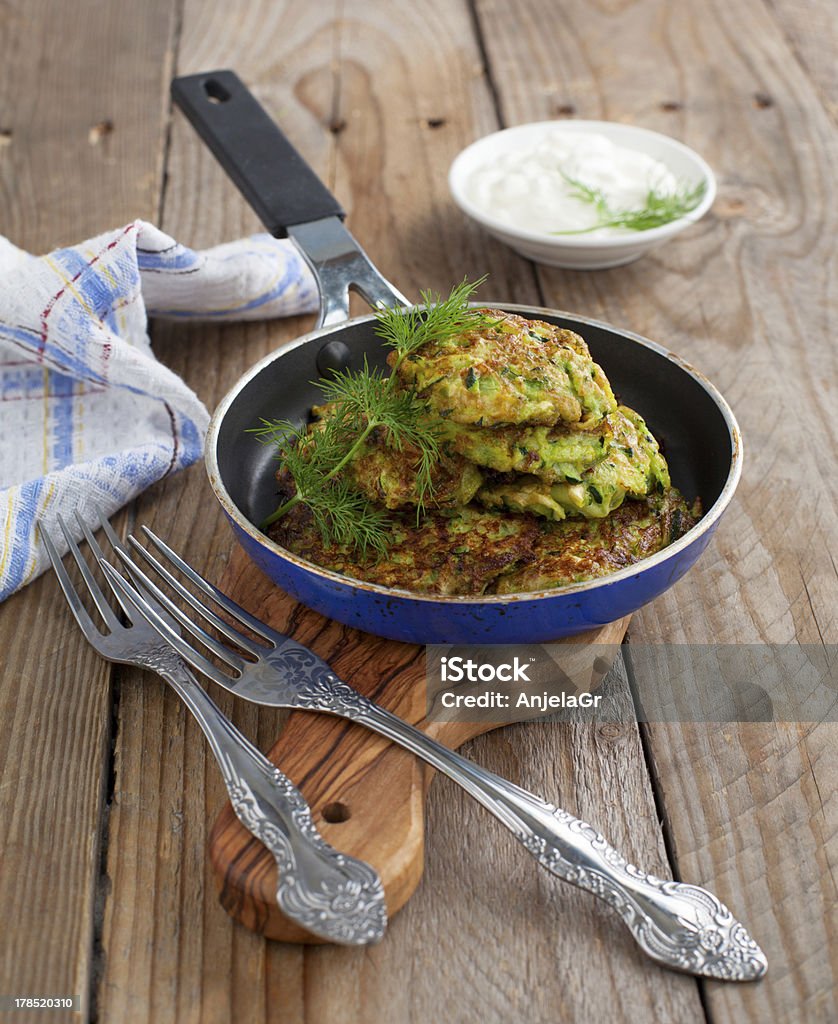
[(107, 791)]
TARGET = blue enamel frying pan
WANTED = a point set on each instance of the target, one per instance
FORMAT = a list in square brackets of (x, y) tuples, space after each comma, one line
[(697, 429)]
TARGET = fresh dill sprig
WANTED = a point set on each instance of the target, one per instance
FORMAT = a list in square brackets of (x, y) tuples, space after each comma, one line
[(659, 207), (368, 401), (587, 194), (360, 403), (342, 515), (437, 319)]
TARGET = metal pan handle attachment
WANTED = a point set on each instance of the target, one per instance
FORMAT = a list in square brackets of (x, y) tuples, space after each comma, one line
[(289, 198)]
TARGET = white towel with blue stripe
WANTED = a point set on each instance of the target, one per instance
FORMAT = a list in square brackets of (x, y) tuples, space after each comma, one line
[(88, 416)]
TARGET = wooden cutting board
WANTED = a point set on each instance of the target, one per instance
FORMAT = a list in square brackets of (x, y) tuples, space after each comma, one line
[(366, 794)]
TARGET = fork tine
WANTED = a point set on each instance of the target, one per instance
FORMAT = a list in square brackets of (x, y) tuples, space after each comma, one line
[(99, 555), (76, 607), (142, 580), (223, 627), (118, 546), (114, 539), (185, 650), (245, 618), (96, 591)]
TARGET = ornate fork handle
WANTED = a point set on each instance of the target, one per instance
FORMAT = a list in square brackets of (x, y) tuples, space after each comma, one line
[(682, 926), (331, 894)]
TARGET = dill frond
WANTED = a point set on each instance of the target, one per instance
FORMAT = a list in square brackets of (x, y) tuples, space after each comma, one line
[(346, 518), (437, 319), (659, 207), (360, 402)]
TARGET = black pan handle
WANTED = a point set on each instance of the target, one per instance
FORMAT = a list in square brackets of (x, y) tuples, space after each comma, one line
[(269, 172)]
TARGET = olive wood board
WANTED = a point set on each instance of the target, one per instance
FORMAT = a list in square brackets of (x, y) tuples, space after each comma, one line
[(367, 795)]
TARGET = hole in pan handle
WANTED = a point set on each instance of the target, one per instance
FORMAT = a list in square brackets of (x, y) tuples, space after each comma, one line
[(287, 195), (216, 93)]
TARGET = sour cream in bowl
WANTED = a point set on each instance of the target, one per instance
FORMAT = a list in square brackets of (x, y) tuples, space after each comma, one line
[(581, 194)]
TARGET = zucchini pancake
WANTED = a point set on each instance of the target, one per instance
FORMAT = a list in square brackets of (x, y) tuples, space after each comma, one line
[(540, 478)]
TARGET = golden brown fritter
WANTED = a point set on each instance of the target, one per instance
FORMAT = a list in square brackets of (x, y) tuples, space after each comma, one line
[(388, 477), (469, 551), (562, 471), (585, 549), (510, 371), (457, 552), (560, 452)]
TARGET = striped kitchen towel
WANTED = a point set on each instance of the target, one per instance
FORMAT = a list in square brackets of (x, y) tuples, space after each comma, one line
[(88, 416)]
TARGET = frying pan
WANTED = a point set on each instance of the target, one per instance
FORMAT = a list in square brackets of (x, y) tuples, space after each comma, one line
[(683, 409)]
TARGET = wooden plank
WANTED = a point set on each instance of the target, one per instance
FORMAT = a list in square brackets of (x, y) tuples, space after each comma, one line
[(379, 97), (60, 184), (81, 141), (812, 33), (746, 297)]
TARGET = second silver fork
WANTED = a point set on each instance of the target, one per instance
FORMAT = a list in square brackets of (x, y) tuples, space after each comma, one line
[(332, 895)]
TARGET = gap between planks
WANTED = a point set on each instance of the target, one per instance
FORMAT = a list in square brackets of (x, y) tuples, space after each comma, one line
[(102, 885), (656, 788)]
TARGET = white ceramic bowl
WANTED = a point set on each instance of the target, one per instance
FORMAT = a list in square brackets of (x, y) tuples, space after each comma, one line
[(583, 252)]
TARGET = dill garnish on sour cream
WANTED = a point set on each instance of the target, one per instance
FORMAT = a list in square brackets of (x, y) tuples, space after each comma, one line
[(579, 183)]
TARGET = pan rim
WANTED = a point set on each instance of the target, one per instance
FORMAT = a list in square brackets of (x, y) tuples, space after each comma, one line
[(705, 524)]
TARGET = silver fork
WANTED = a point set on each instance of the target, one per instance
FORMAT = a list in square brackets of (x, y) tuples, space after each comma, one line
[(328, 893), (679, 925)]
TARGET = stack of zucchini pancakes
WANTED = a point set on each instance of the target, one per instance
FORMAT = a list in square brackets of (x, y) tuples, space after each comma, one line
[(543, 479)]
